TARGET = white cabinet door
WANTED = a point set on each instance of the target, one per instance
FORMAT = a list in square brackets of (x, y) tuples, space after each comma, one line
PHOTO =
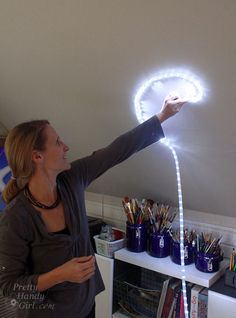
[(221, 306), (104, 299)]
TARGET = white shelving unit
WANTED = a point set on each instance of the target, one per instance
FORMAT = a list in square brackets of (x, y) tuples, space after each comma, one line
[(166, 266), (104, 299)]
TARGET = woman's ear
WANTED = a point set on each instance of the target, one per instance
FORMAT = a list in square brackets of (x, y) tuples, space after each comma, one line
[(37, 156)]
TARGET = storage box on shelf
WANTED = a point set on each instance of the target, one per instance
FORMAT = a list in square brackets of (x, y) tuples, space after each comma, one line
[(107, 248), (134, 292), (138, 291)]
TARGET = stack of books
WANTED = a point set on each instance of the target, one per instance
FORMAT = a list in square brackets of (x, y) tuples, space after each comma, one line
[(173, 307)]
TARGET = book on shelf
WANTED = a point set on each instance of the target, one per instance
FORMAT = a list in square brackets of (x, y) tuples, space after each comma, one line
[(189, 287), (163, 297), (194, 301), (172, 308), (176, 308), (169, 302), (181, 312), (203, 303)]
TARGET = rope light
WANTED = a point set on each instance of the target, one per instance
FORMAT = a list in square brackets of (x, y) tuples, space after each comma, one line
[(189, 88)]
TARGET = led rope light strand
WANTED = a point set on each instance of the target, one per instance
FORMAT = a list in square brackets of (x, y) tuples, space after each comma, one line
[(181, 223), (194, 93)]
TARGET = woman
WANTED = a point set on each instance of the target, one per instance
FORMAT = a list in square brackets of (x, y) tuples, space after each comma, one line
[(47, 264)]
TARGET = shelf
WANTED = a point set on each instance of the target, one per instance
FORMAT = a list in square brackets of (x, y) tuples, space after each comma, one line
[(166, 266)]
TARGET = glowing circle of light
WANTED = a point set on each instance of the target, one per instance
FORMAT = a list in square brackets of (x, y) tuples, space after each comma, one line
[(189, 88), (156, 88)]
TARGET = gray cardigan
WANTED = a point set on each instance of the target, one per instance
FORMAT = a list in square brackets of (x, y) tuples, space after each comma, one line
[(28, 250)]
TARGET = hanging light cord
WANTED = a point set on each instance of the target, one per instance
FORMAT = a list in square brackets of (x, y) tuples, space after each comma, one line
[(181, 224)]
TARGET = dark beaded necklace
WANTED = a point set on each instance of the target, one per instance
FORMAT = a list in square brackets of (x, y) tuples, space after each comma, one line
[(35, 202)]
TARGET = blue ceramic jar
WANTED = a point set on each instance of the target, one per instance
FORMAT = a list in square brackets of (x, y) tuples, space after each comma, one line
[(207, 263), (188, 253), (136, 237), (159, 244)]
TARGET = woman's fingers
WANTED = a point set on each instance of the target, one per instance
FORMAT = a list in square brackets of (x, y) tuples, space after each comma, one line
[(83, 259), (171, 106), (86, 277), (78, 269), (86, 272)]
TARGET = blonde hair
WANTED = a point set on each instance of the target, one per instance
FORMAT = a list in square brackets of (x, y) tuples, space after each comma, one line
[(19, 144)]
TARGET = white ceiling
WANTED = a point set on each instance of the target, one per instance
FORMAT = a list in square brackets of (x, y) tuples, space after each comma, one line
[(79, 63)]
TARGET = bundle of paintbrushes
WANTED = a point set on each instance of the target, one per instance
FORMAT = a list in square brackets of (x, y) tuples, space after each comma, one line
[(147, 210), (133, 211), (160, 216), (164, 217), (190, 236), (208, 244)]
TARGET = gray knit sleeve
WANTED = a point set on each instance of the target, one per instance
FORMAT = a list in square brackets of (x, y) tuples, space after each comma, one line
[(91, 167), (16, 281)]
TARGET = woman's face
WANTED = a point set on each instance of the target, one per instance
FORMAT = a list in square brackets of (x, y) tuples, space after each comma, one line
[(54, 155)]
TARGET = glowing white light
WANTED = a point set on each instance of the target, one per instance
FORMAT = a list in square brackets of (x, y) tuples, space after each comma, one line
[(166, 142), (181, 83), (189, 88)]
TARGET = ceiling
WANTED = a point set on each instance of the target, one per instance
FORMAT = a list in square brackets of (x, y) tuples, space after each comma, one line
[(79, 64)]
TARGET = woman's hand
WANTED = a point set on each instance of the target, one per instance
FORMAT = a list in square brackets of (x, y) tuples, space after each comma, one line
[(78, 269), (171, 106)]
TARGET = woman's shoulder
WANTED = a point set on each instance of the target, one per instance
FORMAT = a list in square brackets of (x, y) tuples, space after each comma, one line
[(14, 222), (15, 211)]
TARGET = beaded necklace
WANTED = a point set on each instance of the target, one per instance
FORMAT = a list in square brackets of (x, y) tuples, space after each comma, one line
[(35, 202)]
